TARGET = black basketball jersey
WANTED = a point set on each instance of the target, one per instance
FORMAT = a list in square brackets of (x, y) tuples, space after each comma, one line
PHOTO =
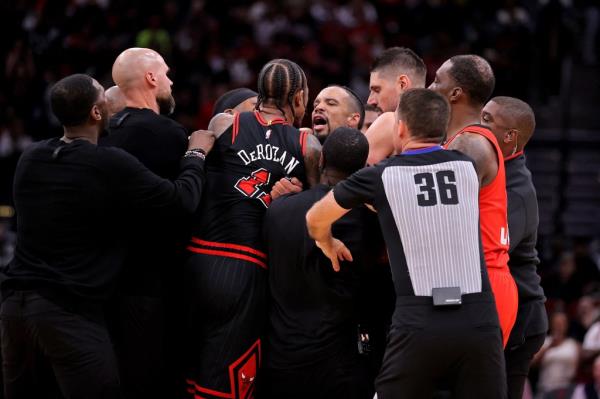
[(427, 204), (245, 162)]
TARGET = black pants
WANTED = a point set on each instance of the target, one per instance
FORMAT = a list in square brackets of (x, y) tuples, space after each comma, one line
[(459, 346), (139, 339), (518, 361), (227, 314), (333, 378), (78, 350)]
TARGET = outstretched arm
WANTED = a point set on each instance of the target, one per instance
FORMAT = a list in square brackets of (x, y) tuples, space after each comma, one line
[(482, 152), (380, 136), (319, 219)]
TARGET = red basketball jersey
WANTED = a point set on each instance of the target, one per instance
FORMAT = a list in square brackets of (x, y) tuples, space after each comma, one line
[(492, 206)]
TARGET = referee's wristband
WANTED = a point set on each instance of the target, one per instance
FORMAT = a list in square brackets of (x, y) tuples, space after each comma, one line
[(195, 152)]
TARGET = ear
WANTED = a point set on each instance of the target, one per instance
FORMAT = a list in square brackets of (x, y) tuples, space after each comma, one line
[(402, 131), (510, 136), (403, 82), (455, 94), (95, 113), (353, 120), (229, 111), (299, 98), (151, 79)]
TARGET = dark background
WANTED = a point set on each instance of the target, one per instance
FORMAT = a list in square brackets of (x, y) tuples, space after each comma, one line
[(543, 51)]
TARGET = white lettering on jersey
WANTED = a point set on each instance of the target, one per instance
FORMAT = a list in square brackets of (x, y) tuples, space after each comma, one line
[(504, 239), (269, 152)]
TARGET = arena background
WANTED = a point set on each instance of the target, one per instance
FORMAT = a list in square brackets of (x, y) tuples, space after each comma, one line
[(546, 52)]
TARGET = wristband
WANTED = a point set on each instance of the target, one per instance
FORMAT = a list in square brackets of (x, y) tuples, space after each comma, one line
[(195, 152)]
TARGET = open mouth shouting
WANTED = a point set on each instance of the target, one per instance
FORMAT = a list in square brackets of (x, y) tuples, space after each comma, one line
[(320, 123)]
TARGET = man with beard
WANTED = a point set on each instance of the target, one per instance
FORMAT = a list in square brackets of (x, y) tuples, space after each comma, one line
[(336, 106), (396, 70), (73, 200), (159, 143)]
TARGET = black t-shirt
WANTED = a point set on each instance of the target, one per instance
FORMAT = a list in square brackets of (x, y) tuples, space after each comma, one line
[(313, 309), (72, 202), (158, 143), (247, 159), (523, 220), (427, 203)]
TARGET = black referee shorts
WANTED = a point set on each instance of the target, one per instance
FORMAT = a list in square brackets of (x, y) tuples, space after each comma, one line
[(458, 346), (227, 315)]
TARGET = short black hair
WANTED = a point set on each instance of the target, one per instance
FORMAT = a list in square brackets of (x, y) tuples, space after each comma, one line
[(425, 113), (278, 81), (345, 150), (356, 103), (521, 115), (72, 98), (401, 58), (474, 75), (232, 99)]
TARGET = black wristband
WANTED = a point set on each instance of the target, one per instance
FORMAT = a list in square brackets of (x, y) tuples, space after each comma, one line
[(198, 150)]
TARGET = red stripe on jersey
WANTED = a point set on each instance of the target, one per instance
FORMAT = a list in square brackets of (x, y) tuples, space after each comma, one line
[(492, 206), (264, 122), (227, 254), (303, 137), (230, 246), (236, 127), (513, 156)]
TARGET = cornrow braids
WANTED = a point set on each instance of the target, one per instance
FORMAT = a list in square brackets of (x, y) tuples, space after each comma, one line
[(278, 81)]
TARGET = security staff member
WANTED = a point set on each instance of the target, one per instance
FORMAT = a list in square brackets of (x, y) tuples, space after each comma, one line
[(445, 325), (512, 121)]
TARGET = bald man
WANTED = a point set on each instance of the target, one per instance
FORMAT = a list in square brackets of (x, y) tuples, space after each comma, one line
[(512, 121), (115, 100), (143, 130)]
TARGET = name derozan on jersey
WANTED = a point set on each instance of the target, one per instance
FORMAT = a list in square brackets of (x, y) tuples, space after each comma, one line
[(269, 152)]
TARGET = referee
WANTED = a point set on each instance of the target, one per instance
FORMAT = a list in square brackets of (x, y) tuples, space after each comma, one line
[(445, 324)]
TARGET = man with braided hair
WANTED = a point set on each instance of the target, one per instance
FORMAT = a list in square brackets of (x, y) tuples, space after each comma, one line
[(226, 277)]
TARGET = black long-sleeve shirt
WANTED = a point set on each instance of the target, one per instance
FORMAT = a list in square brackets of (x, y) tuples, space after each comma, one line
[(523, 220), (73, 203), (158, 143)]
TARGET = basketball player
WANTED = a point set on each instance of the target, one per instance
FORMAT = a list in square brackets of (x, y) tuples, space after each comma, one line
[(444, 325), (311, 340), (371, 113), (467, 81), (236, 101), (336, 106), (143, 130), (397, 69), (74, 201), (115, 100), (513, 122), (226, 271)]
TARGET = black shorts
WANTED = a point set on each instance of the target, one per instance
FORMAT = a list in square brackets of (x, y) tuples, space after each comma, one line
[(458, 346), (226, 317)]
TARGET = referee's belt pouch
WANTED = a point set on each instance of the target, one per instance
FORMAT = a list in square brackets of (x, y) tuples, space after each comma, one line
[(446, 296)]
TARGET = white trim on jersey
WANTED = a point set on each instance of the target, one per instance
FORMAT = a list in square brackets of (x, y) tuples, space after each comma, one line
[(438, 222)]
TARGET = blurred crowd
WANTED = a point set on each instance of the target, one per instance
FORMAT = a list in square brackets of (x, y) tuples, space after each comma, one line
[(213, 46)]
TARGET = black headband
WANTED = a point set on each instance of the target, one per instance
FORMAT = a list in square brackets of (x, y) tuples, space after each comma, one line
[(232, 99)]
